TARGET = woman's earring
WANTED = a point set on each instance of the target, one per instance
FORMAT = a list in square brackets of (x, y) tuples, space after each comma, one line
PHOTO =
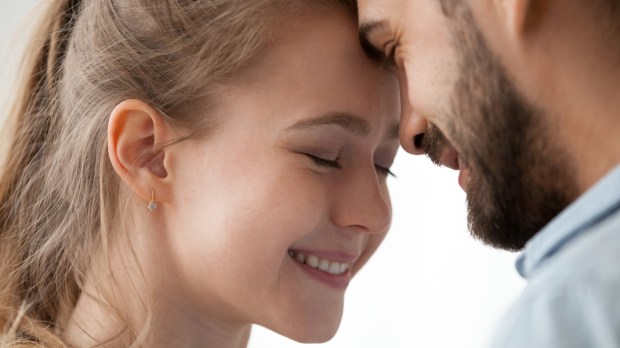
[(152, 204)]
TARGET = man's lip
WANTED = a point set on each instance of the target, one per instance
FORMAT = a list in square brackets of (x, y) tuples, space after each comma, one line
[(464, 177), (449, 158)]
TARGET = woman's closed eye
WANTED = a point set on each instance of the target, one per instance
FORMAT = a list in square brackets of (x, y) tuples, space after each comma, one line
[(384, 171), (322, 162), (335, 164)]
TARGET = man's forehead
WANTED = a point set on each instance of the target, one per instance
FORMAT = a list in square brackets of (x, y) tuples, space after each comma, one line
[(368, 27), (397, 12), (379, 16), (375, 16), (374, 10)]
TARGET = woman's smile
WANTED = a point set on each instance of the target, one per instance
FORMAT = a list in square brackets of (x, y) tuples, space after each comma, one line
[(330, 268)]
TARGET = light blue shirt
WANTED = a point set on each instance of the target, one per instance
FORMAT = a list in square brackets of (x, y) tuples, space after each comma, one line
[(572, 266)]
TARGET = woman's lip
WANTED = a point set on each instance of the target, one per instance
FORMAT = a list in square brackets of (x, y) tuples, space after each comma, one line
[(339, 282), (338, 256)]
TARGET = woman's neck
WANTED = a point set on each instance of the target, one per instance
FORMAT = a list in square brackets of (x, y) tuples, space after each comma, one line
[(115, 306), (168, 325)]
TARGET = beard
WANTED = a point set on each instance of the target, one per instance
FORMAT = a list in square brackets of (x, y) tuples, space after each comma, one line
[(519, 178)]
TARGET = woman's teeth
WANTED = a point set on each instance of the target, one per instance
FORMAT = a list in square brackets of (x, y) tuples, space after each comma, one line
[(325, 265)]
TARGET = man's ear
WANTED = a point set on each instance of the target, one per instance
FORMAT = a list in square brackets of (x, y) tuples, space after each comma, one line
[(522, 16), (137, 134)]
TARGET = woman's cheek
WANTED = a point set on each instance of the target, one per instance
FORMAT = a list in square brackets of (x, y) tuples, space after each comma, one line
[(374, 242)]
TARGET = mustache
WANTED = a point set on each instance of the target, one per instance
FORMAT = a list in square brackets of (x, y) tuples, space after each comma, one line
[(432, 143)]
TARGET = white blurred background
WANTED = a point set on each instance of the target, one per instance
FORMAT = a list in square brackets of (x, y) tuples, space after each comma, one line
[(429, 285)]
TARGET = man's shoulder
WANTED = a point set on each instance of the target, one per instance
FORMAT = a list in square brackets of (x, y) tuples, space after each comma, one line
[(573, 299), (592, 259)]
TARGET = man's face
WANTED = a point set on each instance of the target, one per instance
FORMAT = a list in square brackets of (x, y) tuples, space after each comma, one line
[(463, 111)]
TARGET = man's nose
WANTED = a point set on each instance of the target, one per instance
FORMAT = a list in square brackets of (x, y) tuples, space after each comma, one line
[(413, 126)]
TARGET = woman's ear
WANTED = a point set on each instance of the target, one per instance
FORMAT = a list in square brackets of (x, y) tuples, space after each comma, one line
[(137, 135)]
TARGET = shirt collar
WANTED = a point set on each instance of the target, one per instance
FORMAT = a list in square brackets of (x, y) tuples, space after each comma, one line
[(597, 203)]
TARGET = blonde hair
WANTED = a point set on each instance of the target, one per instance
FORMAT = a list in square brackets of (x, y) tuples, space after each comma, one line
[(59, 195)]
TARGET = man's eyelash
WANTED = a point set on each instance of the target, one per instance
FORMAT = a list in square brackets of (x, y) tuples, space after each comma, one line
[(390, 58), (387, 61)]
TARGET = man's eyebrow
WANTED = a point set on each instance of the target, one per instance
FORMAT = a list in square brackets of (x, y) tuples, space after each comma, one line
[(348, 122), (365, 30)]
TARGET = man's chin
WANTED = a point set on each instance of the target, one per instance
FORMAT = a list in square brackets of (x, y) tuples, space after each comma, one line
[(492, 216)]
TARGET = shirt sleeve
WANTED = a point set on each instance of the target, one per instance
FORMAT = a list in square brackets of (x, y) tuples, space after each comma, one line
[(582, 316)]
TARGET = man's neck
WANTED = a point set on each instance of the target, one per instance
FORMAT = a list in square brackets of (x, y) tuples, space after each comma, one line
[(589, 126)]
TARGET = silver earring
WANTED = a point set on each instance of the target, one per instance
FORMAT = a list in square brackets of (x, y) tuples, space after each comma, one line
[(152, 204)]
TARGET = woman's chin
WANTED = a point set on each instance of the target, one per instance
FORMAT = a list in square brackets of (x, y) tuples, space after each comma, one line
[(317, 330), (313, 335)]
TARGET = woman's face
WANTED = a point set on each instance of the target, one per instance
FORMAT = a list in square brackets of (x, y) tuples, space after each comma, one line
[(287, 199)]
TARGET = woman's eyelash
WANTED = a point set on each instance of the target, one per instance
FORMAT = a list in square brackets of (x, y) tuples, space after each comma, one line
[(385, 171), (336, 165), (321, 162)]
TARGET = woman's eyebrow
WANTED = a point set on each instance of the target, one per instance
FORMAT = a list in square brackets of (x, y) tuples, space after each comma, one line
[(348, 122)]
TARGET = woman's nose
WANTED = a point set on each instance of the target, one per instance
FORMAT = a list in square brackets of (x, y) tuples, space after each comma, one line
[(364, 205), (413, 126)]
